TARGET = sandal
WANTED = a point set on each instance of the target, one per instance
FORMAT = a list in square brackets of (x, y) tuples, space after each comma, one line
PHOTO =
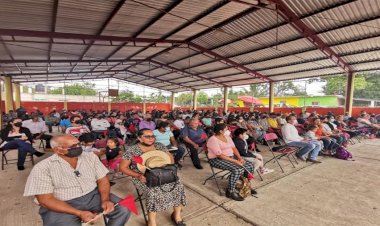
[(177, 223)]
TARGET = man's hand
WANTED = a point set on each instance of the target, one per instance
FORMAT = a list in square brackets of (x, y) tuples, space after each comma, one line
[(196, 146), (241, 160), (108, 207), (86, 216)]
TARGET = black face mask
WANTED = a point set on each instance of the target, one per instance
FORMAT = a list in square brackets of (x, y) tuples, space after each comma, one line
[(145, 144), (18, 124), (78, 121), (148, 119), (74, 152)]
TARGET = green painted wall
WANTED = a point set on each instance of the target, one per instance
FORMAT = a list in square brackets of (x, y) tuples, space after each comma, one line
[(325, 101)]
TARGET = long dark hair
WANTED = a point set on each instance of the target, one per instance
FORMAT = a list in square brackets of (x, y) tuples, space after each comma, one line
[(9, 126), (219, 127)]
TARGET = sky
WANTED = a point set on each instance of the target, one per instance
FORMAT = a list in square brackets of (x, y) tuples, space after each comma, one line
[(314, 88)]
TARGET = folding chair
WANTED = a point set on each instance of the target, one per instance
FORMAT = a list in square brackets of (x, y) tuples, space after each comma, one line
[(6, 161), (140, 199), (216, 175), (279, 151)]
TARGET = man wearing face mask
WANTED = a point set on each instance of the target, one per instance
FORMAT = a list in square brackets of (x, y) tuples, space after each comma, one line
[(72, 187), (147, 123), (306, 147), (98, 125), (166, 137)]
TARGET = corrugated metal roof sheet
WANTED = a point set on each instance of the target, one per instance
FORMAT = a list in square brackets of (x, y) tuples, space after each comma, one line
[(250, 39)]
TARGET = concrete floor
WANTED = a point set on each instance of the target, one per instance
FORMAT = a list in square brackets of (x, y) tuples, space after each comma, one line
[(335, 192)]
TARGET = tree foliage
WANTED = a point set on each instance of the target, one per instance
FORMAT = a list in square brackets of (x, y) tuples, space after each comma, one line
[(128, 96), (84, 89), (366, 86)]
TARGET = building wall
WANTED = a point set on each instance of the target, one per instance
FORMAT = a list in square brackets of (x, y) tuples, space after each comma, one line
[(325, 101), (294, 101)]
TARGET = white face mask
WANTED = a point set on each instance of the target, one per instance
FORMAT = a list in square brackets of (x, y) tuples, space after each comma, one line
[(245, 137), (227, 133)]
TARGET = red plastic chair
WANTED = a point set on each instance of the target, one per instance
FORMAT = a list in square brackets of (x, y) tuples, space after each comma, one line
[(279, 151)]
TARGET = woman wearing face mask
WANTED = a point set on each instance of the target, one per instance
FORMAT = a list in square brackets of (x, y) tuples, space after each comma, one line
[(240, 141), (14, 136), (160, 198), (223, 154), (166, 137)]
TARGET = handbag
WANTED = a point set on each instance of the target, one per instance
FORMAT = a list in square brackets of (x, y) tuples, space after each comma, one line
[(161, 175)]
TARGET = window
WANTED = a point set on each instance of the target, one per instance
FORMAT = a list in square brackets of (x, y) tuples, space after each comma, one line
[(316, 103)]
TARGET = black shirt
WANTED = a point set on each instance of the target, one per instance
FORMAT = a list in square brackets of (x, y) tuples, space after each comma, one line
[(112, 153), (242, 147)]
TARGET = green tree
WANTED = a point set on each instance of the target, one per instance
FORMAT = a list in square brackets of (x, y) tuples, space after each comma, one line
[(256, 90), (366, 86), (184, 99), (202, 98), (85, 89), (128, 96), (285, 88)]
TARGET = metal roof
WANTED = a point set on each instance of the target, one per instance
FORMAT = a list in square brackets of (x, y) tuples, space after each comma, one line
[(179, 45)]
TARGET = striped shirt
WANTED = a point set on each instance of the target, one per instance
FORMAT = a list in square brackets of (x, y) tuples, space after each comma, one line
[(55, 176)]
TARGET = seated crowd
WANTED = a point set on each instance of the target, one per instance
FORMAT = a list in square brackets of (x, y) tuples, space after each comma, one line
[(112, 142)]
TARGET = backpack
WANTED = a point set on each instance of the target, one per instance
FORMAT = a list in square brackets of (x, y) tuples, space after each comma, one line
[(342, 153)]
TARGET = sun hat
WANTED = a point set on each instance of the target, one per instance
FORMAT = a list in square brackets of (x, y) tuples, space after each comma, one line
[(153, 159)]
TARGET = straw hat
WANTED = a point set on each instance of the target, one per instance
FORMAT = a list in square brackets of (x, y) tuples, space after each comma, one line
[(153, 159)]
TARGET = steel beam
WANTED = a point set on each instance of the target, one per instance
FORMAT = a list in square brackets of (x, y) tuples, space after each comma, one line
[(25, 61), (101, 29), (147, 25), (232, 63), (252, 35), (46, 34), (310, 34)]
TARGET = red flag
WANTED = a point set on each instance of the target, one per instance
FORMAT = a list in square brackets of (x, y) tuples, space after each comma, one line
[(137, 159), (129, 203), (250, 176)]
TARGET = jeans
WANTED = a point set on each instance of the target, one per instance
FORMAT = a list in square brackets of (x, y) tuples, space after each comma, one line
[(311, 148), (23, 149), (89, 202), (194, 154), (179, 154), (50, 126), (329, 144)]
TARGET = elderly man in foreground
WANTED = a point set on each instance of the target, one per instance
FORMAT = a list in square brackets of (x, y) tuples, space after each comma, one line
[(72, 187)]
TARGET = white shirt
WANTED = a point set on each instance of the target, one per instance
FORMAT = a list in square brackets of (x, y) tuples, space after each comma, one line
[(99, 124), (327, 128), (35, 127), (55, 176), (290, 133), (180, 124)]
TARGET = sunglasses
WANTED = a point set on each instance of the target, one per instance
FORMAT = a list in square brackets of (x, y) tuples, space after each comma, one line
[(149, 137)]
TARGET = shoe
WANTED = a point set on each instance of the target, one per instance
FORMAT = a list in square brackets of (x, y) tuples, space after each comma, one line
[(38, 154), (20, 168), (179, 165), (300, 157), (257, 150), (234, 195), (313, 161), (112, 183), (178, 223), (253, 192), (198, 167)]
